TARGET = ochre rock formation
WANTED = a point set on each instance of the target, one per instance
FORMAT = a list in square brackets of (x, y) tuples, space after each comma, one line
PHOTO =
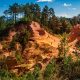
[(40, 49), (75, 33)]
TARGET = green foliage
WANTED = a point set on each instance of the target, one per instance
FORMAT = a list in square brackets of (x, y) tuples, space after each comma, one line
[(6, 75), (12, 44), (29, 76), (67, 60), (32, 12), (49, 70), (66, 25), (24, 37), (32, 75), (25, 19), (55, 25), (36, 72), (14, 10), (2, 23), (19, 57), (63, 46)]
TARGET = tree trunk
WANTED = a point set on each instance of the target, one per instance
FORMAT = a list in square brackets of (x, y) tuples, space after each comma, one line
[(14, 17)]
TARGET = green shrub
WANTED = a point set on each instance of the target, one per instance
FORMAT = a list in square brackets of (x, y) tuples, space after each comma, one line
[(34, 75), (63, 46), (6, 75), (22, 38), (28, 76), (36, 72), (19, 57), (49, 70)]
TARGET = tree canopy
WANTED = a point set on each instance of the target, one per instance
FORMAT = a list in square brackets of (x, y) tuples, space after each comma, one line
[(33, 12)]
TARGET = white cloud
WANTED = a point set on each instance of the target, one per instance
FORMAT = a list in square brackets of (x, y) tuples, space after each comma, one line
[(74, 8), (67, 5), (44, 0), (63, 15)]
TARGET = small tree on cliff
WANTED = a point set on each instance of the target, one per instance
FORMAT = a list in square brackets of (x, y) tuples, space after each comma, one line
[(63, 46)]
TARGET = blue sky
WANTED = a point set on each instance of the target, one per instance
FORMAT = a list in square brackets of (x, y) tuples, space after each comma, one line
[(67, 8)]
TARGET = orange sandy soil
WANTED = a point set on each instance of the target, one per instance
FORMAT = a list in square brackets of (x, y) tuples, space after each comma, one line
[(46, 50)]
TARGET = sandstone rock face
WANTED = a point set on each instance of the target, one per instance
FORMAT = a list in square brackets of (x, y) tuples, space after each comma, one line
[(41, 47), (36, 29), (39, 50), (11, 35), (1, 46), (73, 39), (75, 33), (17, 46), (42, 36)]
